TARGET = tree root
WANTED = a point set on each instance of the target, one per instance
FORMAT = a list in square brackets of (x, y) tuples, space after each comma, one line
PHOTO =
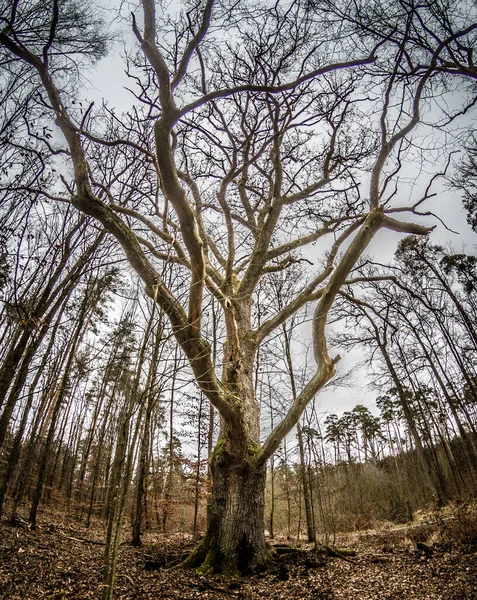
[(197, 556), (207, 559), (282, 549), (342, 554), (329, 550)]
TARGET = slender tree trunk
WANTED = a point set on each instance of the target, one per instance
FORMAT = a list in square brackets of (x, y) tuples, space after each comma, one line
[(169, 484), (141, 479), (468, 324), (97, 411), (15, 451), (428, 469), (97, 462), (116, 503), (310, 528), (37, 430), (81, 326), (271, 520), (120, 482), (69, 467), (44, 455), (471, 455), (50, 301), (303, 470), (197, 472), (210, 433), (152, 396), (210, 447), (60, 449), (18, 377)]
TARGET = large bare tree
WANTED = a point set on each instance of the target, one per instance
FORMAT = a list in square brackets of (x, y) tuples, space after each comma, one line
[(256, 132)]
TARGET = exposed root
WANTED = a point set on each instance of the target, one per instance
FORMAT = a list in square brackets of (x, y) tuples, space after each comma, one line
[(342, 554), (329, 550), (207, 560), (197, 556)]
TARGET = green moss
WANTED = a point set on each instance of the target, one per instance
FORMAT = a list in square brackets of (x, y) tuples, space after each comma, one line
[(219, 446), (235, 280), (209, 563), (252, 451), (196, 558), (253, 447), (214, 564), (229, 570)]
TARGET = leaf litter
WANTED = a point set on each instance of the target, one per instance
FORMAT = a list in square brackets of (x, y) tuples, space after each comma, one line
[(62, 561)]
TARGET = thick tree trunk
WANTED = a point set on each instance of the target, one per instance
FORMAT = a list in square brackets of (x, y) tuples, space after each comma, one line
[(234, 543)]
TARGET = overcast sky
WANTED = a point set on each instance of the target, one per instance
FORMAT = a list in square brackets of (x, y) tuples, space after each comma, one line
[(109, 81)]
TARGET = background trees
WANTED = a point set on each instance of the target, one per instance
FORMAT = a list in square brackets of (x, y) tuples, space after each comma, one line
[(259, 138)]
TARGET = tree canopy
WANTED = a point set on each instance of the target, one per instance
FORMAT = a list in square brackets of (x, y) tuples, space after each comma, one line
[(260, 136)]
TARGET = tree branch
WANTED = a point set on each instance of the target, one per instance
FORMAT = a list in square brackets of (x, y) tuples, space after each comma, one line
[(273, 89)]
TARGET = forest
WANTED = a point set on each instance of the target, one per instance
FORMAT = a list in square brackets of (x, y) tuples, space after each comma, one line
[(238, 313)]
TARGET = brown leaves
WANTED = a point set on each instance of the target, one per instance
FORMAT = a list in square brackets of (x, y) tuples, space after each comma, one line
[(58, 562)]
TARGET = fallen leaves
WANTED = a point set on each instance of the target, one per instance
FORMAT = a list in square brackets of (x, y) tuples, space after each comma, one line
[(59, 561)]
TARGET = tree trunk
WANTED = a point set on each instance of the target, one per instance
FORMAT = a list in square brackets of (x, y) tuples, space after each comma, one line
[(431, 470), (13, 378), (169, 482), (15, 452), (310, 526), (303, 469), (234, 543), (55, 408), (96, 469), (197, 471)]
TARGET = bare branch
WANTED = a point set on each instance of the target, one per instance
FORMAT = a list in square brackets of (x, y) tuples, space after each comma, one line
[(193, 44), (270, 89)]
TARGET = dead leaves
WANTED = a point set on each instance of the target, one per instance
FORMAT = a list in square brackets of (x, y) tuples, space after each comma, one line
[(59, 562)]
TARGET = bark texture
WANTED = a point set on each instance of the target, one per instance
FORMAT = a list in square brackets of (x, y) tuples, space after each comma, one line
[(234, 543)]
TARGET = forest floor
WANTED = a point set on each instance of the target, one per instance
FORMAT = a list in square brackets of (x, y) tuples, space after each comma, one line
[(433, 560)]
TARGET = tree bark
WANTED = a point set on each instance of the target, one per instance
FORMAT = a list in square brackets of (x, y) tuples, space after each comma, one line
[(234, 543), (310, 526), (152, 397)]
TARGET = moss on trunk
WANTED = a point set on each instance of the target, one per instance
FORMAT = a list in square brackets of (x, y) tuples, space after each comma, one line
[(234, 543)]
